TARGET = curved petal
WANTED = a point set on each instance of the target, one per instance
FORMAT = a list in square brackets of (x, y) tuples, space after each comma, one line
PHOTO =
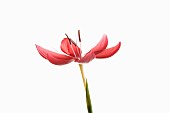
[(43, 52), (102, 44), (88, 57), (69, 47), (58, 61), (109, 52)]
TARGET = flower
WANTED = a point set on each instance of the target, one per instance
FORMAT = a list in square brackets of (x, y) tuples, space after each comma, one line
[(74, 53)]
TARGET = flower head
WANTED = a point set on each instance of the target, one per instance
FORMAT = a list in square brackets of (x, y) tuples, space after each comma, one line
[(74, 53)]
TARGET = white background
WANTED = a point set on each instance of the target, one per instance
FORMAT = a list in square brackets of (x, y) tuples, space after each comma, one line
[(135, 80)]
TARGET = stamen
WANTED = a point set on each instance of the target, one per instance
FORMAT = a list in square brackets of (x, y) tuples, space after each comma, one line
[(71, 41), (79, 54), (68, 38), (79, 35), (79, 41), (73, 51)]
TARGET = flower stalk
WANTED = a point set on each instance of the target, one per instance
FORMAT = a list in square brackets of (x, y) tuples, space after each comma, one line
[(82, 75), (88, 100)]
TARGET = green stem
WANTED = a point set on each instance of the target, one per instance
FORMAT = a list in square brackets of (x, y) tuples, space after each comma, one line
[(88, 100)]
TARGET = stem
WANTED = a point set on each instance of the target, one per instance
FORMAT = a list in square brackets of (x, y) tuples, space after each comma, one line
[(88, 100), (82, 75)]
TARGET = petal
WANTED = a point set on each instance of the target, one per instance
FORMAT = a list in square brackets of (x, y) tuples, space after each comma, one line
[(88, 57), (58, 61), (102, 44), (43, 52), (109, 52), (70, 49), (64, 46)]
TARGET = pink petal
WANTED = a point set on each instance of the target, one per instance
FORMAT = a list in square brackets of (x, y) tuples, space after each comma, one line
[(70, 49), (109, 52), (58, 61), (102, 44), (43, 52), (87, 58)]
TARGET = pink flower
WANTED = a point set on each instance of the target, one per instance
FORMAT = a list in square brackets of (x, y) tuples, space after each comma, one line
[(74, 53)]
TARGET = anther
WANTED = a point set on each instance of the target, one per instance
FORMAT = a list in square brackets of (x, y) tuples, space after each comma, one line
[(68, 38), (71, 41), (79, 35)]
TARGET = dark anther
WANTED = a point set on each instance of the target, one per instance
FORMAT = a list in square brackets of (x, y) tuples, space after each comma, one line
[(79, 35), (70, 40)]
